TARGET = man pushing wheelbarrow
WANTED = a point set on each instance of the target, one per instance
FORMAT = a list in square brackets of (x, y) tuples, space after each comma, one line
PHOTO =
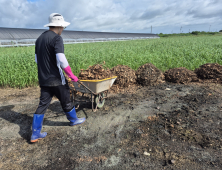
[(51, 62)]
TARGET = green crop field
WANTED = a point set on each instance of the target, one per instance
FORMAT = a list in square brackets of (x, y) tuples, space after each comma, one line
[(18, 67)]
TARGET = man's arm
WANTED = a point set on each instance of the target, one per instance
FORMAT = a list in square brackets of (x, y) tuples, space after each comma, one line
[(62, 61)]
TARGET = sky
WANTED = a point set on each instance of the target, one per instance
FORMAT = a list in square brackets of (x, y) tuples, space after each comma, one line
[(131, 16)]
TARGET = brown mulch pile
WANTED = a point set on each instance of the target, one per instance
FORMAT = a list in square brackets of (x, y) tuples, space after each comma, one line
[(125, 75), (148, 74), (180, 75), (210, 71), (95, 72), (129, 80)]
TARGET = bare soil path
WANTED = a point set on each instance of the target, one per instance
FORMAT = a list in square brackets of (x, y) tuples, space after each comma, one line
[(168, 126)]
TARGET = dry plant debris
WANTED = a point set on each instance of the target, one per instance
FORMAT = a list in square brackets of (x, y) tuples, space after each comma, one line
[(211, 71), (180, 75), (95, 72), (125, 75), (128, 80), (148, 74)]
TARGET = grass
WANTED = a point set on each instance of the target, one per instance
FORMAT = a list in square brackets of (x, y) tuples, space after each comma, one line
[(18, 67)]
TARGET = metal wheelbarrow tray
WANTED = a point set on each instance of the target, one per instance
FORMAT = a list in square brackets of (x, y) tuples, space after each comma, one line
[(97, 88)]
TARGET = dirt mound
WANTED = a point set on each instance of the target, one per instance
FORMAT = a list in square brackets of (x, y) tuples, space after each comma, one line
[(95, 72), (125, 75), (148, 74), (180, 75), (210, 71)]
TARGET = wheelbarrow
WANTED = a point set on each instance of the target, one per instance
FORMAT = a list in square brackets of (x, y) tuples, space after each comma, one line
[(97, 88)]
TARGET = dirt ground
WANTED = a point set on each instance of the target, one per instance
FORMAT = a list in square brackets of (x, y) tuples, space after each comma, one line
[(167, 126)]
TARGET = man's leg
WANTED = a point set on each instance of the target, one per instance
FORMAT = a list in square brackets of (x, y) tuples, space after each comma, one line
[(45, 99), (63, 94)]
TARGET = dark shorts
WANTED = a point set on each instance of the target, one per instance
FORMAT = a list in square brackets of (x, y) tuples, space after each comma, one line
[(61, 92)]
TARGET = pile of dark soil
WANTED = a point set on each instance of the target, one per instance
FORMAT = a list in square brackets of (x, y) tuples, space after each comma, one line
[(148, 74), (212, 71), (180, 75), (125, 75), (95, 72)]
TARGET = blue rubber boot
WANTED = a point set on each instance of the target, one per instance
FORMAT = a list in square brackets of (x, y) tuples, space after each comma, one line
[(72, 117), (37, 127)]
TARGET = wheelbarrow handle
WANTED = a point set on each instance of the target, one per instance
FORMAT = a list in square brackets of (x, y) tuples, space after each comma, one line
[(79, 81), (85, 86)]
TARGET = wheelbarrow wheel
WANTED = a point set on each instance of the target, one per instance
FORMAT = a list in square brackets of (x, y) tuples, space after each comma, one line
[(99, 101)]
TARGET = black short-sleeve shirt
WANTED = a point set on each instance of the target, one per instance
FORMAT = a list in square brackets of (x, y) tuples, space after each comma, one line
[(49, 71)]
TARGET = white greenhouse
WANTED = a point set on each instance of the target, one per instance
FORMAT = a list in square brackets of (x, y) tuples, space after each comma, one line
[(26, 37)]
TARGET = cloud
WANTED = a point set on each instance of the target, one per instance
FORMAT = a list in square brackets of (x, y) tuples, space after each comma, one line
[(115, 15), (206, 10)]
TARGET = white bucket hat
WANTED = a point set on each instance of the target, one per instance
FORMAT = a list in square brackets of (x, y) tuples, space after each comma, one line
[(57, 20)]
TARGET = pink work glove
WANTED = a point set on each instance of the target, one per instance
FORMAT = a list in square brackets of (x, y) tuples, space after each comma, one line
[(69, 73)]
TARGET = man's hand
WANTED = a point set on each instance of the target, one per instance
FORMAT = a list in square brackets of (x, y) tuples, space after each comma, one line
[(74, 78), (69, 73)]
